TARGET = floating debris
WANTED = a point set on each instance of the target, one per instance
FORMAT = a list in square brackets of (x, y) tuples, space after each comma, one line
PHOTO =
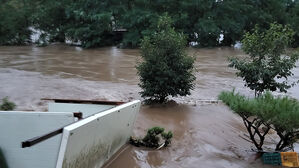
[(155, 138)]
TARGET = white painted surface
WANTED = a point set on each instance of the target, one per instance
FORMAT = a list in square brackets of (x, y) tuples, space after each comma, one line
[(86, 109), (92, 141), (16, 127)]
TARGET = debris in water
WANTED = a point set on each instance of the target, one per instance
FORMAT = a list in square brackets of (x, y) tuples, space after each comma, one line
[(153, 138)]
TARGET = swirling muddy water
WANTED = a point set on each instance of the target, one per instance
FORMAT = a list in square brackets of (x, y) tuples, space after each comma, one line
[(205, 135)]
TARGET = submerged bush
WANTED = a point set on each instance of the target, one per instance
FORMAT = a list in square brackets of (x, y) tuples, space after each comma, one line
[(7, 105), (167, 70), (153, 139), (264, 113)]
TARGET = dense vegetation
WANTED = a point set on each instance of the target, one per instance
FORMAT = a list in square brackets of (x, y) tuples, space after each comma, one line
[(268, 59), (93, 22), (7, 105), (267, 68), (264, 113), (166, 69)]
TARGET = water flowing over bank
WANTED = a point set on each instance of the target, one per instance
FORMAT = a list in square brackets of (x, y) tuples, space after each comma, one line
[(204, 134)]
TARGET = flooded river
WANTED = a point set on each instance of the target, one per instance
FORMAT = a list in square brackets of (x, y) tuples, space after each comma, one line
[(205, 135)]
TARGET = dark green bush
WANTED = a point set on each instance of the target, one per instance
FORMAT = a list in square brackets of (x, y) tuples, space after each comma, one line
[(268, 112), (7, 105), (166, 69), (153, 138)]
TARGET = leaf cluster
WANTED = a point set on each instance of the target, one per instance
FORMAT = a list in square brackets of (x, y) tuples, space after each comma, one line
[(269, 63), (7, 105), (90, 27), (281, 112), (14, 23)]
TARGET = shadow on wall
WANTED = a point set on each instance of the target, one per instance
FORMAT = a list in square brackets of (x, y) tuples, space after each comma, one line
[(3, 163)]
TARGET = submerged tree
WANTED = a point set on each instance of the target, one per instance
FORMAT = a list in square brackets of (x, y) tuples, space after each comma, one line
[(166, 69), (89, 22), (269, 63), (14, 22), (50, 17)]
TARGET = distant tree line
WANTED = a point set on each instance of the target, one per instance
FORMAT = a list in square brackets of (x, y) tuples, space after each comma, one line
[(93, 22)]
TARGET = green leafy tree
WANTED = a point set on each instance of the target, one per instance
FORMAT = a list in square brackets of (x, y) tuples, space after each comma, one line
[(139, 19), (14, 22), (93, 28), (229, 19), (92, 22), (269, 63), (166, 69), (50, 17)]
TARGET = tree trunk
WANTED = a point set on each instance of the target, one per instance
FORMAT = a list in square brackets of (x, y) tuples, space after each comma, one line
[(162, 99)]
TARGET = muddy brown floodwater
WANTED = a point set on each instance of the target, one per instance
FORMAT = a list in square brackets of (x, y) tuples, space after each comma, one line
[(205, 135)]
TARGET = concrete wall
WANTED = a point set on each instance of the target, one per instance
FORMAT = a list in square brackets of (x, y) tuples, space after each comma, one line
[(86, 109), (90, 142), (16, 127)]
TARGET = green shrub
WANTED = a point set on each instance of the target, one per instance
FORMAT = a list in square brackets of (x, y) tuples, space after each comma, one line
[(7, 105), (166, 69), (268, 59), (268, 112), (153, 138)]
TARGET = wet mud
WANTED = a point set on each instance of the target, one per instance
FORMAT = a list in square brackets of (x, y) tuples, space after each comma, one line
[(206, 134)]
